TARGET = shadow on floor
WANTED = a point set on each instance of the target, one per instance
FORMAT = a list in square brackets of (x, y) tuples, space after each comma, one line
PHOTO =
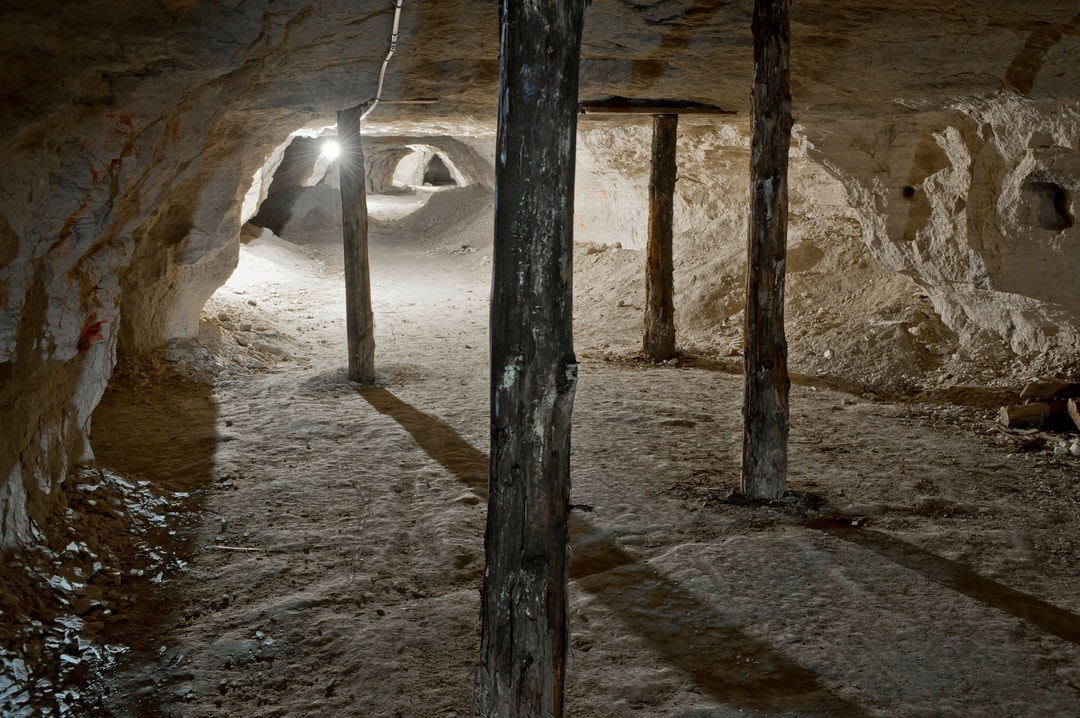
[(437, 438), (958, 577), (162, 431), (970, 396), (732, 666)]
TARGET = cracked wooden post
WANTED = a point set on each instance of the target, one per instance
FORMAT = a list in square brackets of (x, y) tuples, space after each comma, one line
[(765, 401), (659, 332), (524, 632), (359, 321)]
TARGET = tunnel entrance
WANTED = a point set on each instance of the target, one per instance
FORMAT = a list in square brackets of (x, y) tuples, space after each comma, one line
[(302, 196), (296, 194), (438, 174), (427, 168), (293, 227)]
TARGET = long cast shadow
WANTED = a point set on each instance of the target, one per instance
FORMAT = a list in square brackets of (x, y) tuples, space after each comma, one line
[(977, 397), (734, 667), (164, 433), (958, 577), (437, 438)]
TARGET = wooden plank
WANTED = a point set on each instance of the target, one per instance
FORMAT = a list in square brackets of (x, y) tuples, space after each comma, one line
[(659, 332), (524, 633), (1024, 415), (633, 106), (766, 382), (1034, 414), (359, 320)]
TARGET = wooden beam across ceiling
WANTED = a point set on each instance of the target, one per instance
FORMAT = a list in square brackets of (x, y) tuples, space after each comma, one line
[(634, 106)]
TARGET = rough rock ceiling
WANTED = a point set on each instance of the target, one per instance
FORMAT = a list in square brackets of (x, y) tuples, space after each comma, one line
[(849, 58)]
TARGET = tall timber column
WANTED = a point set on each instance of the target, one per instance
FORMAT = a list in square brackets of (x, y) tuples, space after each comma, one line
[(359, 320), (533, 370), (765, 401), (659, 333)]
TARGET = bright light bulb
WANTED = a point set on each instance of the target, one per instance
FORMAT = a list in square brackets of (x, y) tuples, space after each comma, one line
[(330, 150)]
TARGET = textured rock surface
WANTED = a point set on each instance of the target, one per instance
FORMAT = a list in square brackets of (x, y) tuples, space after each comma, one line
[(131, 134), (976, 203)]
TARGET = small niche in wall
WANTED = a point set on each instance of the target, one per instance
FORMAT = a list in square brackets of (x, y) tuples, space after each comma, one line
[(438, 174), (1050, 205), (908, 192), (427, 167)]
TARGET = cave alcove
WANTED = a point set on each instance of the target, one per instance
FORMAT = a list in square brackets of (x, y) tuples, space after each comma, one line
[(1049, 205), (438, 174)]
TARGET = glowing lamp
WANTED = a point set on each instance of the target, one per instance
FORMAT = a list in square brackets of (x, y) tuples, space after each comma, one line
[(330, 150)]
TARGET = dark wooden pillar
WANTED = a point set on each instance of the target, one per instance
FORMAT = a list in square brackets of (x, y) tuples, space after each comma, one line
[(765, 403), (359, 321), (659, 334), (524, 631)]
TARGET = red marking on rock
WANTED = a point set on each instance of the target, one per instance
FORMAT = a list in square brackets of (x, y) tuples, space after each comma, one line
[(91, 333)]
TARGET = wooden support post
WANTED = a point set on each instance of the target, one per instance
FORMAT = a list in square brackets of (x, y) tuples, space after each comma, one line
[(765, 400), (523, 644), (659, 333), (359, 321)]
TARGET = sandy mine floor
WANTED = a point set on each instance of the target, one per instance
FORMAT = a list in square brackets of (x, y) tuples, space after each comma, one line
[(259, 537)]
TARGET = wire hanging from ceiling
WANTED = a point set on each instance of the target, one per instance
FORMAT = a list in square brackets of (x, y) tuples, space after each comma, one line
[(386, 60)]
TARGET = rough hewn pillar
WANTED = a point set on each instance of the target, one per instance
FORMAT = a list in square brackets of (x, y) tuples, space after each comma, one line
[(765, 405), (533, 370), (359, 321), (659, 333)]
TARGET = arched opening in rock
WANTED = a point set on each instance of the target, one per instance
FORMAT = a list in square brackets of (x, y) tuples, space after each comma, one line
[(291, 243), (1050, 205), (438, 174), (427, 168), (296, 191)]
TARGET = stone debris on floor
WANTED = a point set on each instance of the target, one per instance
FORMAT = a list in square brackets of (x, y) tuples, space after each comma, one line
[(58, 600)]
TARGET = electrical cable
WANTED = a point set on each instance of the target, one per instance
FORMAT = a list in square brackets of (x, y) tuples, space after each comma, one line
[(386, 60)]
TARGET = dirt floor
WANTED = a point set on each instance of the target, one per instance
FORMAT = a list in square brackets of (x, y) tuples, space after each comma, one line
[(260, 537)]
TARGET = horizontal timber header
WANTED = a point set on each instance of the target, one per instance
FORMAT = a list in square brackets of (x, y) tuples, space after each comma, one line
[(631, 106)]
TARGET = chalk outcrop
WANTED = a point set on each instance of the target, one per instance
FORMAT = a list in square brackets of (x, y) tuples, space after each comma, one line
[(977, 204)]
